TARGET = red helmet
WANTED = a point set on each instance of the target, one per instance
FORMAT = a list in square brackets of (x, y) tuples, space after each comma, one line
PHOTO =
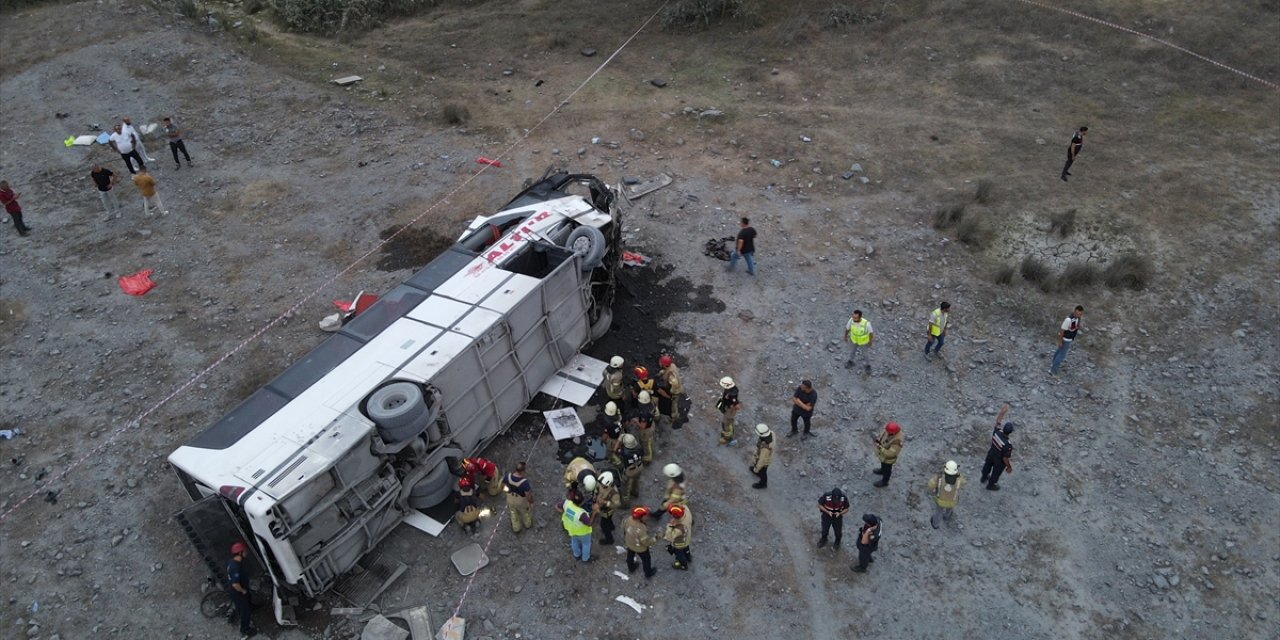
[(469, 465), (892, 427), (639, 512), (465, 483), (676, 511), (665, 361), (641, 373), (239, 547)]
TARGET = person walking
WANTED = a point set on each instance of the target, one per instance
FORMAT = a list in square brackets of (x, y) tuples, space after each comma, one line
[(9, 198), (679, 536), (632, 465), (126, 127), (105, 180), (150, 197), (606, 502), (938, 321), (1066, 337), (670, 374), (833, 505), (888, 446), (1073, 150), (745, 248), (238, 588), (176, 144), (802, 402), (519, 498), (945, 489), (868, 541), (860, 335), (615, 383), (126, 146), (729, 405), (764, 455), (638, 540), (577, 523), (998, 456)]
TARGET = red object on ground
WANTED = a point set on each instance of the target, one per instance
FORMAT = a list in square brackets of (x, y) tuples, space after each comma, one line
[(356, 307), (138, 283), (489, 161)]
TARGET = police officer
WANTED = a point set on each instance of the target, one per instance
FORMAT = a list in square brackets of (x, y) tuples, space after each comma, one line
[(764, 455), (833, 505), (868, 541), (607, 500), (802, 402), (638, 541), (729, 405), (632, 465), (998, 456), (238, 588), (519, 498)]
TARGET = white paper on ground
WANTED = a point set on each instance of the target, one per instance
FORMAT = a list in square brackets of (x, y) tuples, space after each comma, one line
[(631, 603)]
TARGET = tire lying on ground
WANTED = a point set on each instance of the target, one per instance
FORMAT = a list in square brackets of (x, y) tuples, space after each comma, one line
[(399, 410), (589, 244), (432, 489)]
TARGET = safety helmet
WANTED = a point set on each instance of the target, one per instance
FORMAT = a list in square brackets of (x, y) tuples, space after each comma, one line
[(892, 427), (589, 483), (606, 478), (641, 373), (762, 430), (238, 547), (665, 361), (629, 441), (951, 468), (643, 398), (726, 382), (672, 470), (639, 512), (676, 511), (465, 483), (611, 408), (1008, 428), (468, 464), (616, 362)]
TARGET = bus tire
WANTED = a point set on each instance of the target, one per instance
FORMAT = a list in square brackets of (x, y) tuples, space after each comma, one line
[(589, 244), (397, 408), (432, 489)]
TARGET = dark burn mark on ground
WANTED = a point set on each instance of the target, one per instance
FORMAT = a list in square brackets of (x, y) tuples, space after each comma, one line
[(412, 249), (642, 326)]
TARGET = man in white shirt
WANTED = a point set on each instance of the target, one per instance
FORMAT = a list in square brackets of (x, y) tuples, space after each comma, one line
[(126, 146), (126, 127), (1066, 336)]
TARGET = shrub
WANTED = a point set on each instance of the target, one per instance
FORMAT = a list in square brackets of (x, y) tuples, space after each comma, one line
[(843, 15), (328, 17), (454, 113), (973, 232), (1064, 224), (983, 193), (1004, 275), (1034, 270), (1129, 271), (947, 217), (1078, 275), (704, 12)]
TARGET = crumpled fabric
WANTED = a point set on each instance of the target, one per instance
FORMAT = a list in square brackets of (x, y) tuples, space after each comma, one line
[(139, 283)]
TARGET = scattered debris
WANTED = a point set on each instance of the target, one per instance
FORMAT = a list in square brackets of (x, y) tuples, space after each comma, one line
[(644, 187), (380, 628), (454, 628), (331, 323), (489, 161), (621, 575), (632, 603), (346, 611), (711, 114), (347, 81), (633, 259), (629, 180), (847, 175), (469, 559), (718, 248), (588, 52), (419, 622), (658, 82), (776, 163), (9, 434), (139, 283)]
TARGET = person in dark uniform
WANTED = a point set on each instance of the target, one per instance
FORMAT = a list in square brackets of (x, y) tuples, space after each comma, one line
[(833, 505), (238, 588), (802, 402), (745, 247), (868, 541), (998, 456), (1073, 150)]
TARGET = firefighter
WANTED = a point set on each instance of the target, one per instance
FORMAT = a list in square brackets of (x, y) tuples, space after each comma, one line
[(679, 536), (638, 540), (675, 490), (729, 406), (615, 380), (468, 506), (476, 468), (519, 498), (580, 478), (611, 433), (632, 465), (642, 423), (764, 455), (670, 374), (607, 500), (641, 382), (888, 447)]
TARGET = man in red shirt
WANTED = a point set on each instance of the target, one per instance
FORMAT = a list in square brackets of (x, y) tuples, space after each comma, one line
[(10, 201), (486, 469)]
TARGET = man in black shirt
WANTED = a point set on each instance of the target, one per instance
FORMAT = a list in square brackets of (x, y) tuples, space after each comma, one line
[(1073, 150), (802, 407), (105, 179), (238, 588), (998, 456), (833, 504), (868, 541), (745, 248)]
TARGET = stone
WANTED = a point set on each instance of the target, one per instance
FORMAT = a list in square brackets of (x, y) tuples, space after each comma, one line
[(1159, 581), (855, 167), (711, 114), (658, 82), (588, 52)]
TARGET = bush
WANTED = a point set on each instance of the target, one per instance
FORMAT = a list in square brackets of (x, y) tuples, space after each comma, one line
[(1078, 275), (454, 113), (983, 193), (1034, 270), (328, 17), (1129, 271), (843, 15), (947, 217), (1004, 275), (973, 232), (703, 12), (1064, 224)]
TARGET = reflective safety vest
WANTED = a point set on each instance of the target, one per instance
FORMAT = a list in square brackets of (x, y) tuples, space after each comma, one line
[(572, 520), (938, 322), (860, 332)]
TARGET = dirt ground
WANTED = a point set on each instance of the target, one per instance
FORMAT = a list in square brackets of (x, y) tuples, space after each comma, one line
[(1144, 502)]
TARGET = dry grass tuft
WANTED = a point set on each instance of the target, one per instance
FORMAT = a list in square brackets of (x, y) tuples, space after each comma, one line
[(1129, 271)]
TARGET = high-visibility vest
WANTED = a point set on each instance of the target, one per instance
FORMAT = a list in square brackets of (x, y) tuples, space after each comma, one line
[(859, 332), (572, 520), (937, 322)]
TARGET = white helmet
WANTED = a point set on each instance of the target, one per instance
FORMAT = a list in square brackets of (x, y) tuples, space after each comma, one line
[(672, 470), (763, 430), (643, 397), (606, 478), (611, 409), (589, 483), (629, 441), (726, 382), (951, 468), (616, 362)]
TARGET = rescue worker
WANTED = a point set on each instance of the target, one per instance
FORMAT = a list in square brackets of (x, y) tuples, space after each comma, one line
[(938, 321), (632, 465), (477, 468), (577, 523), (642, 423), (641, 382), (238, 588), (945, 489), (860, 335), (611, 432), (764, 455), (606, 501), (615, 384), (998, 456), (663, 403), (680, 535), (519, 498), (670, 373), (888, 446), (833, 505), (729, 405), (674, 494), (868, 541), (468, 507), (638, 540), (580, 479)]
